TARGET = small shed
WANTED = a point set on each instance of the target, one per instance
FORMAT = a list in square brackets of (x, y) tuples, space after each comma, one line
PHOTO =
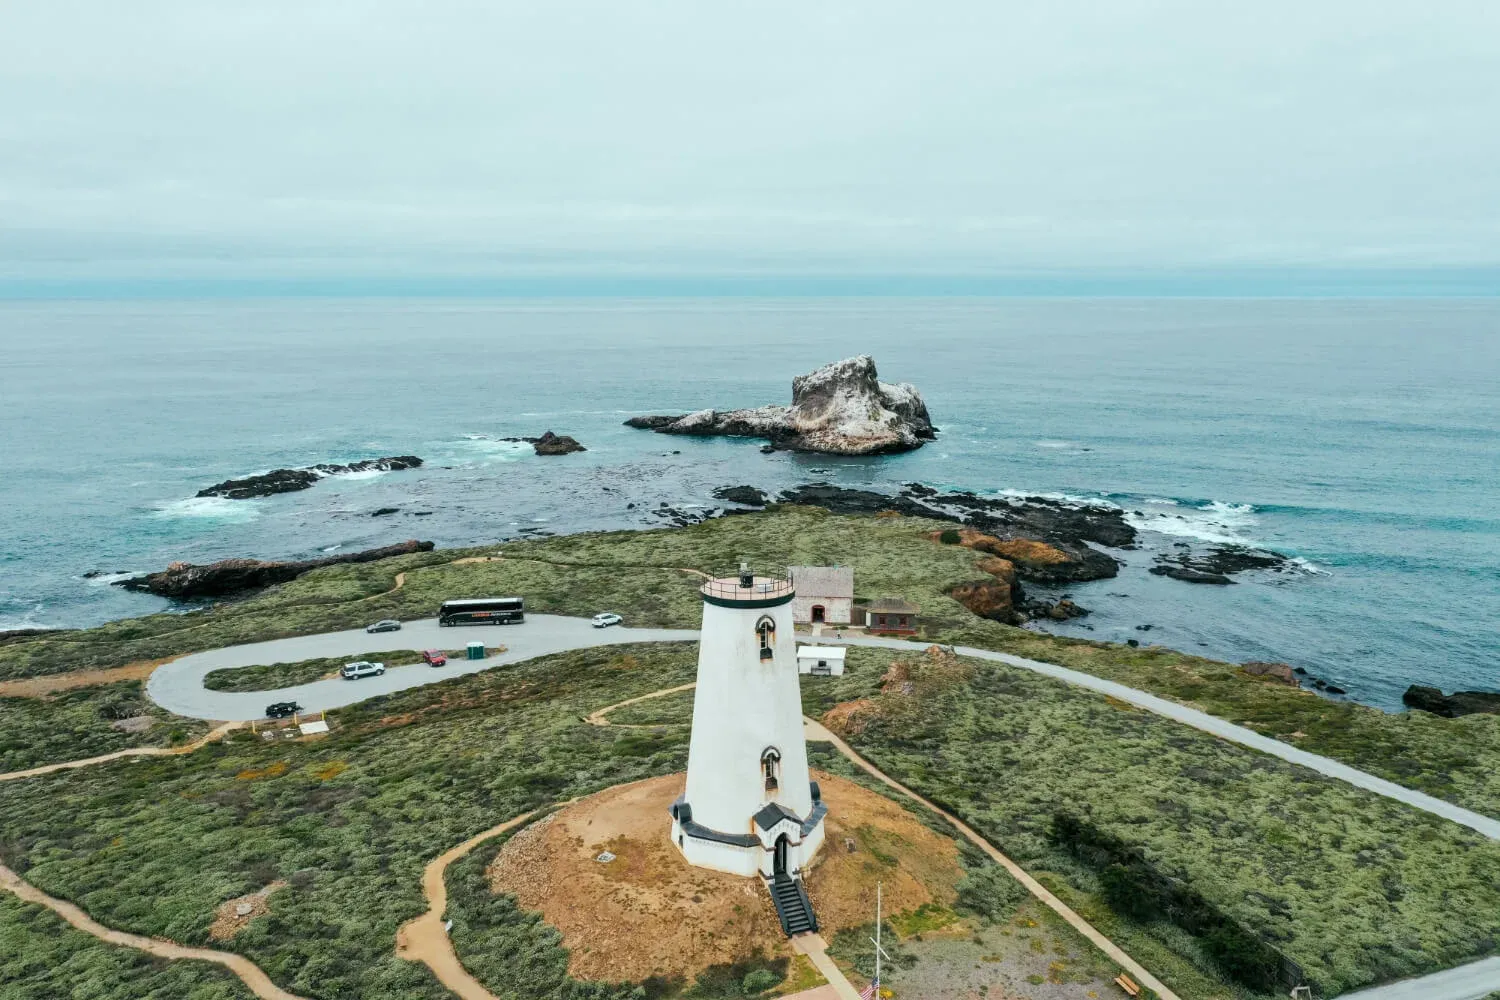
[(891, 614), (824, 594), (821, 661)]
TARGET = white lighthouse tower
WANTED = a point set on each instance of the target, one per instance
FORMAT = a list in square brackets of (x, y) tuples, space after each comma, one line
[(749, 807)]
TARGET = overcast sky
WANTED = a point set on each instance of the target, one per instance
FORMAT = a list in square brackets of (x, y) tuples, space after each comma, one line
[(190, 137)]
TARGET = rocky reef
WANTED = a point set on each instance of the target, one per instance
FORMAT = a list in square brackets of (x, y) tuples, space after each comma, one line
[(840, 409), (1451, 706), (747, 495), (1015, 526), (1215, 564), (292, 480), (186, 581)]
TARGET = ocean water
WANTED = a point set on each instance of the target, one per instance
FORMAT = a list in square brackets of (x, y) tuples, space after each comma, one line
[(1361, 437)]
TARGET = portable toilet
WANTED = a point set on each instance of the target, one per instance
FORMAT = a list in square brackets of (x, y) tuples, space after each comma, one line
[(476, 650)]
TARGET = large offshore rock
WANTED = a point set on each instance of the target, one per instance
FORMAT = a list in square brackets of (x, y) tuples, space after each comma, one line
[(840, 409), (186, 581)]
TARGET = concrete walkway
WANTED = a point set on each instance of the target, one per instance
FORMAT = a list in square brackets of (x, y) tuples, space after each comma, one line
[(816, 950), (1467, 982)]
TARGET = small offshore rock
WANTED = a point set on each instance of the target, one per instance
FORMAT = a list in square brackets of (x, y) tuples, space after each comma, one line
[(556, 444), (383, 511), (1187, 574)]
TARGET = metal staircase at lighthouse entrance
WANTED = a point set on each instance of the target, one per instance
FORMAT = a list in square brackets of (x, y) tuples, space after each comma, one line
[(792, 905)]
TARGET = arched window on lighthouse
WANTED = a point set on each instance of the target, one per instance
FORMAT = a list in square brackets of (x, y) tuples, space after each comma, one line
[(770, 767), (766, 629)]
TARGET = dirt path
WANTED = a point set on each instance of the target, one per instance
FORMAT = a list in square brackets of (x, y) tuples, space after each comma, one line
[(40, 687), (601, 717), (816, 731), (425, 939), (67, 765), (259, 983)]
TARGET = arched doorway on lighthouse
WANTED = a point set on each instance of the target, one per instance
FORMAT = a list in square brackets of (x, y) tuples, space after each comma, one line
[(782, 848)]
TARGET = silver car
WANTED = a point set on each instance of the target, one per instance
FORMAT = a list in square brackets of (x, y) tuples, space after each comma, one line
[(384, 625), (361, 668)]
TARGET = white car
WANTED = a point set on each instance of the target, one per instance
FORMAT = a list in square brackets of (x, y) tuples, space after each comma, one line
[(361, 668), (606, 619)]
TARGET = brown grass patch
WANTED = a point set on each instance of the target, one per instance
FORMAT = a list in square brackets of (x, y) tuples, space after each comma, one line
[(41, 687), (233, 916), (1015, 549), (275, 770)]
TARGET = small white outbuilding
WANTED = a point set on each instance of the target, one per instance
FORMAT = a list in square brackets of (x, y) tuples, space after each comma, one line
[(821, 661)]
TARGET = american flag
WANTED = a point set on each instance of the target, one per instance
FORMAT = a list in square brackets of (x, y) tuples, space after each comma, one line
[(868, 993)]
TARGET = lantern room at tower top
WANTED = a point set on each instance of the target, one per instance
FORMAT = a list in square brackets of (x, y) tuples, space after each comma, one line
[(749, 807)]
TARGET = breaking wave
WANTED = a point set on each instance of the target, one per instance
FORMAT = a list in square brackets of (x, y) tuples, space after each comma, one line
[(209, 509)]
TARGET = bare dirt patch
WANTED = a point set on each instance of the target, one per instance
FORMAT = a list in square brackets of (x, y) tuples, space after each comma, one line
[(648, 912), (40, 687), (235, 915)]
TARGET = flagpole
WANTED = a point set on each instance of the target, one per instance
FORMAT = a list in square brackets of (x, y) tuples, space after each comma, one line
[(877, 941)]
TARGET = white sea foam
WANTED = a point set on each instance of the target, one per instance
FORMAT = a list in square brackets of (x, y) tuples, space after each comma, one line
[(105, 579), (361, 474), (482, 449), (1215, 522), (1060, 445), (1067, 498), (210, 509)]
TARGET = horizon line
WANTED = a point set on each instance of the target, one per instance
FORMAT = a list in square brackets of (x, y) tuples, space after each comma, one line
[(1259, 283)]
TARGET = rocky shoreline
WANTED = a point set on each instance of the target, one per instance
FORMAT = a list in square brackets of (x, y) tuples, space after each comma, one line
[(1451, 706), (840, 409), (228, 577)]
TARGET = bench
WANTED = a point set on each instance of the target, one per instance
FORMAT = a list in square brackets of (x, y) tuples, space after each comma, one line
[(1130, 986)]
